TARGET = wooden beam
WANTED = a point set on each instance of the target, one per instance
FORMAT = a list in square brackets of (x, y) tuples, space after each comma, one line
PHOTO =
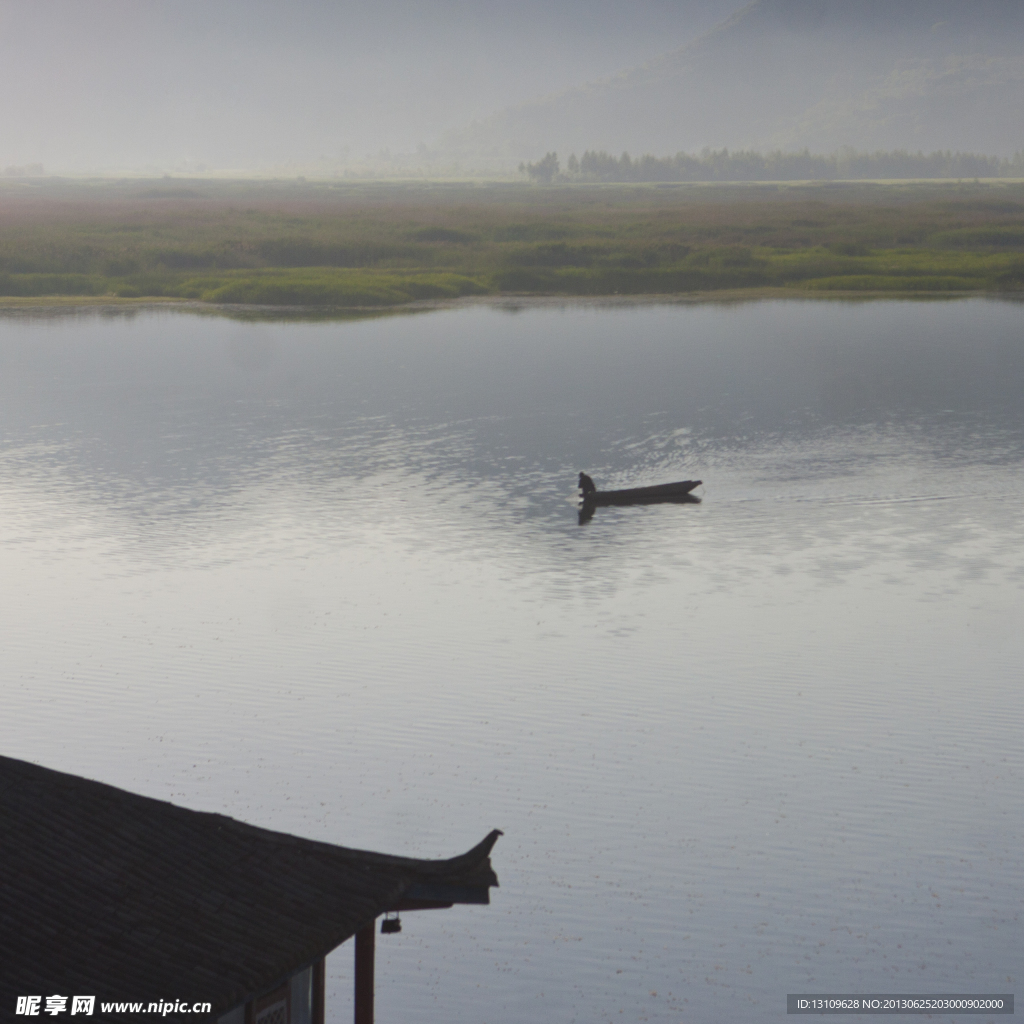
[(365, 939), (319, 1006), (419, 905)]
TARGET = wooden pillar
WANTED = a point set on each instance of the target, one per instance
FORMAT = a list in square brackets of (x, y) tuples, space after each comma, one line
[(365, 938), (319, 992)]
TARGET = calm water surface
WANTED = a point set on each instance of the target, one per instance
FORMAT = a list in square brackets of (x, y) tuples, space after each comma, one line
[(328, 578)]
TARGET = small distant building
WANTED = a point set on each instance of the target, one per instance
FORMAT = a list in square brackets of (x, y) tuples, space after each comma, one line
[(126, 899)]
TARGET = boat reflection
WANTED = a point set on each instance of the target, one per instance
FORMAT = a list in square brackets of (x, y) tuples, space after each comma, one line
[(591, 502)]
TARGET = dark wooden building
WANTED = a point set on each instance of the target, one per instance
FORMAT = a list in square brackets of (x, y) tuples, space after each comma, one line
[(107, 894)]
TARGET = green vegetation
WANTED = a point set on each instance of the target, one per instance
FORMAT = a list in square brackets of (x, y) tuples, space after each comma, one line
[(371, 246)]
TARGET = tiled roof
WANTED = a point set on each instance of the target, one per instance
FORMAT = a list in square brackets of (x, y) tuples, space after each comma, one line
[(107, 893)]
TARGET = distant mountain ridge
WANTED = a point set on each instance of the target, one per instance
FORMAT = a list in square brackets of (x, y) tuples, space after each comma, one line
[(794, 74)]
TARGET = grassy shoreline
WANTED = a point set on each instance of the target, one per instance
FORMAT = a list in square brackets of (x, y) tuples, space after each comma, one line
[(387, 246)]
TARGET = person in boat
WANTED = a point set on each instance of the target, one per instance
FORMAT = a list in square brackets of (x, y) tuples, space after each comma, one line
[(586, 484)]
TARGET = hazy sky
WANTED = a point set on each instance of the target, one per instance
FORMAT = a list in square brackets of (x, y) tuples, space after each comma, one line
[(122, 85)]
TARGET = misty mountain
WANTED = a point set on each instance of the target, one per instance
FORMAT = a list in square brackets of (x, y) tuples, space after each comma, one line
[(790, 74)]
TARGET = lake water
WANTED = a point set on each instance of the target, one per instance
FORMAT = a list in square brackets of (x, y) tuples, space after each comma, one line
[(328, 578)]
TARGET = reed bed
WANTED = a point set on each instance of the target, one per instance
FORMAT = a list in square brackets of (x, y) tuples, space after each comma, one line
[(387, 244)]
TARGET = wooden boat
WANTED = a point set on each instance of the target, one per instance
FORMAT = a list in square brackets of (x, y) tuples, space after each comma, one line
[(679, 491)]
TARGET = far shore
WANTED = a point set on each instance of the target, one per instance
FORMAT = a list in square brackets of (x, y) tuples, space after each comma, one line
[(388, 248)]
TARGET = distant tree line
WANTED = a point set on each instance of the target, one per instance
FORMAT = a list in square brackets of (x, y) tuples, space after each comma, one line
[(746, 165)]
